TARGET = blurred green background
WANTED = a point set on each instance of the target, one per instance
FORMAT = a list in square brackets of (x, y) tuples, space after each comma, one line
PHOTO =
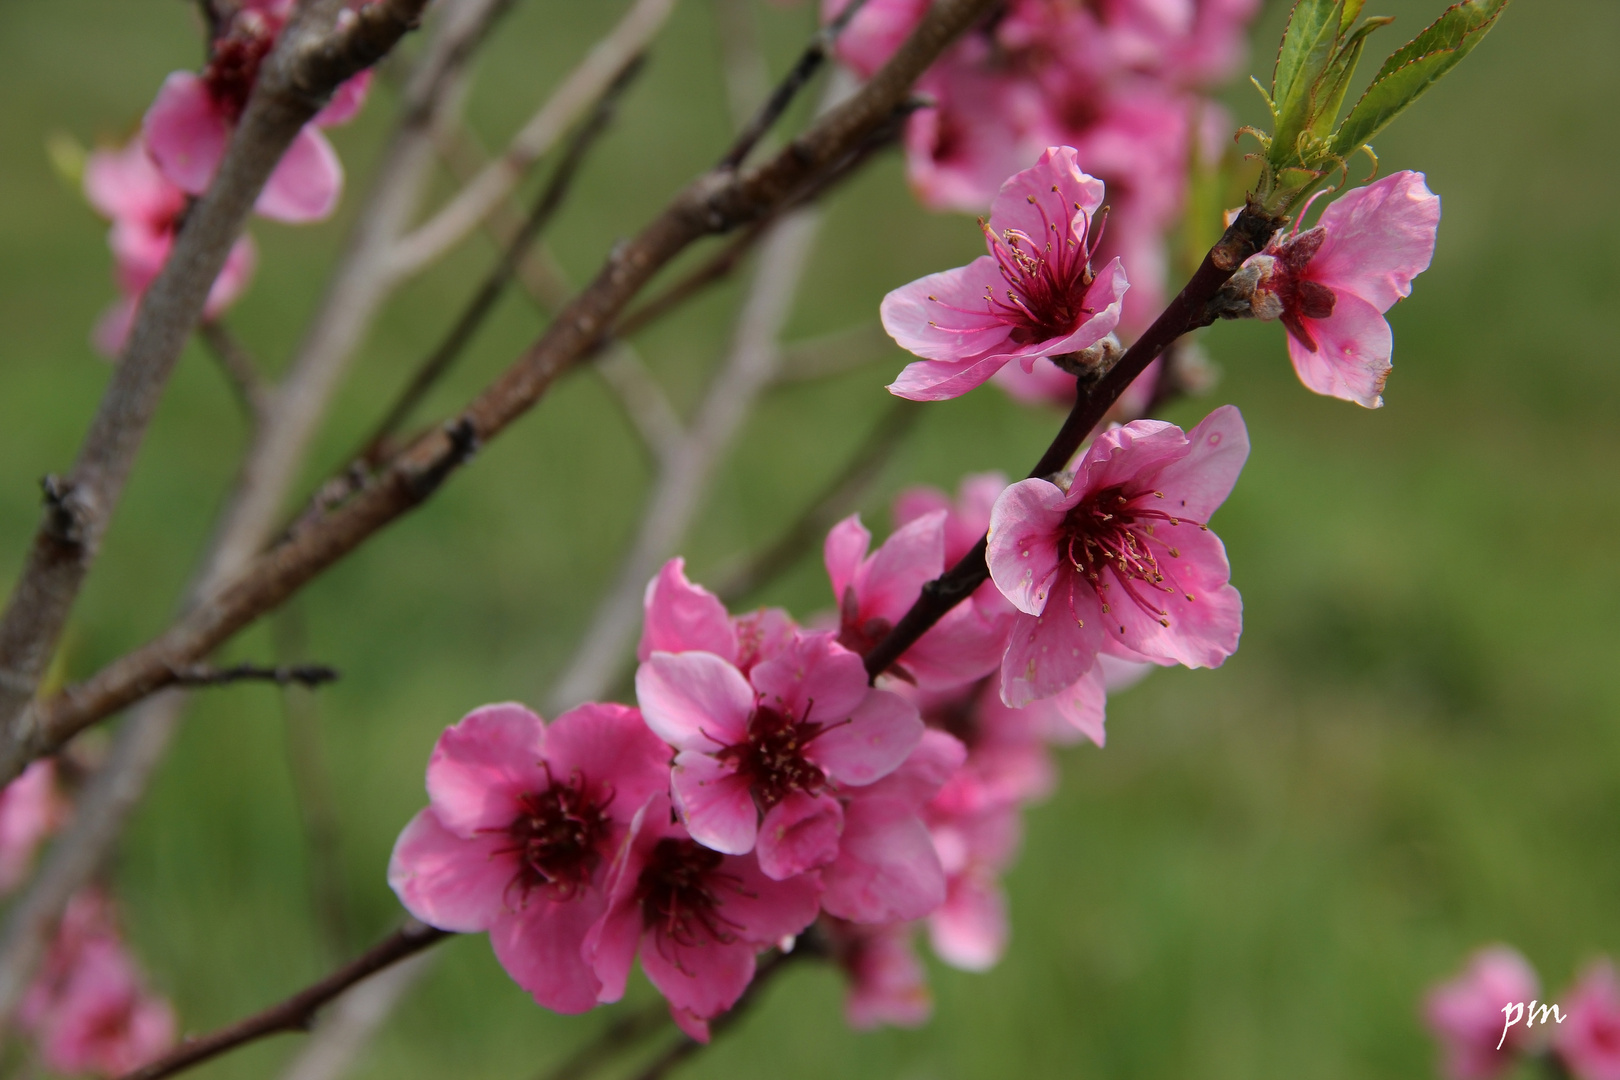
[(1416, 750)]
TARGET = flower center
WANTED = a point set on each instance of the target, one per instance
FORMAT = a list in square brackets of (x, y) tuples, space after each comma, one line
[(772, 758), (1115, 531), (1301, 298), (234, 63), (1047, 277), (557, 838), (680, 889)]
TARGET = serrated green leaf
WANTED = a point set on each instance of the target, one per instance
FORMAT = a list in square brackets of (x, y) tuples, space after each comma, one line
[(1396, 86), (1308, 22), (1352, 8), (1329, 93), (1309, 47)]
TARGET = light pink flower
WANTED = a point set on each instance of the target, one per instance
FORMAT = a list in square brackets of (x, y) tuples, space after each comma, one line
[(522, 823), (698, 918), (190, 122), (875, 32), (1123, 559), (124, 186), (887, 869), (1466, 1017), (874, 591), (969, 930), (1034, 295), (30, 810), (886, 980), (104, 1020), (1331, 285), (683, 617), (1588, 1041), (759, 755), (967, 518)]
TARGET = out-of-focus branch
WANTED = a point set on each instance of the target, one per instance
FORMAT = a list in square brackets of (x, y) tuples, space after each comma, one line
[(643, 400), (838, 353), (307, 64), (357, 288), (835, 501), (717, 201), (354, 1020), (306, 675), (585, 84), (618, 1037), (687, 1047), (742, 61), (296, 1013), (438, 362), (252, 392)]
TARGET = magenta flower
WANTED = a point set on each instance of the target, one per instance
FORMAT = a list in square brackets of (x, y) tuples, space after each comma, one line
[(875, 32), (683, 617), (698, 918), (1588, 1041), (967, 518), (969, 929), (874, 591), (887, 869), (760, 756), (886, 980), (30, 810), (522, 824), (1034, 295), (190, 122), (127, 188), (1331, 285), (1466, 1014), (1123, 559)]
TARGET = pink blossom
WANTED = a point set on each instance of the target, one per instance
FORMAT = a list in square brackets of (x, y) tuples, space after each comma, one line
[(682, 617), (30, 810), (521, 825), (1034, 295), (887, 983), (759, 756), (1466, 1014), (1588, 1041), (874, 591), (875, 32), (969, 930), (190, 122), (698, 918), (1125, 553), (126, 187), (1331, 285), (887, 869)]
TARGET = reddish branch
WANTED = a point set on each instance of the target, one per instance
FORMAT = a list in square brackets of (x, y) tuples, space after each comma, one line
[(1095, 395), (296, 1013), (716, 202), (295, 82)]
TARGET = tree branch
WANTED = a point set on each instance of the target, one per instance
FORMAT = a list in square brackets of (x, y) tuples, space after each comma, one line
[(294, 82), (252, 391), (354, 1019), (308, 675), (717, 201), (1245, 236), (296, 1013)]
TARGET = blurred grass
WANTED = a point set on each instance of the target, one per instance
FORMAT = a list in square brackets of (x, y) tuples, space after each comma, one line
[(1417, 748)]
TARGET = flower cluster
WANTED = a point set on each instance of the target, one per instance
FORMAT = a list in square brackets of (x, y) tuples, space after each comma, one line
[(145, 186), (763, 782), (1487, 1019)]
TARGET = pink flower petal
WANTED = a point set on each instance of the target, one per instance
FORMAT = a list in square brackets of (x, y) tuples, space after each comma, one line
[(449, 881), (881, 733), (842, 553), (541, 948), (887, 869), (935, 380), (912, 556), (764, 911), (306, 184), (186, 133), (703, 980), (346, 101), (1082, 705), (681, 617), (1379, 238), (1202, 631), (716, 804), (815, 678), (111, 332), (944, 317), (694, 700), (611, 747), (937, 758), (125, 183), (1054, 198), (799, 833), (234, 278), (1049, 652), (1022, 552), (1352, 357), (1196, 485), (969, 930), (482, 764)]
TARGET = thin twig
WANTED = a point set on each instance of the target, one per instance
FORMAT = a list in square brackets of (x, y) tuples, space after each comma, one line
[(307, 64), (686, 1047), (251, 389), (742, 61), (716, 268), (354, 1019), (438, 362), (1245, 236), (835, 501), (643, 401), (296, 1013), (714, 202), (583, 85), (834, 354), (308, 675)]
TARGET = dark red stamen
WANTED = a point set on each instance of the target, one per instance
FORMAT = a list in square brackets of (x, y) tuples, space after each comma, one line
[(680, 890), (234, 63), (1116, 531), (558, 838), (1301, 298), (772, 757)]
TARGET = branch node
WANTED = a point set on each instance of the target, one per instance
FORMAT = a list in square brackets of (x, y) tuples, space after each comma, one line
[(464, 444), (67, 511)]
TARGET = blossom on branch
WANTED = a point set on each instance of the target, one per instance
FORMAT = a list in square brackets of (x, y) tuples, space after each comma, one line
[(887, 983), (30, 810), (522, 824), (1466, 1014), (1122, 559), (1034, 295), (1588, 1041)]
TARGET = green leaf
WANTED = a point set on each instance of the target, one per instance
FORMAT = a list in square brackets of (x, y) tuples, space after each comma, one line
[(1329, 94), (1309, 46), (1352, 8), (1307, 24), (1414, 68)]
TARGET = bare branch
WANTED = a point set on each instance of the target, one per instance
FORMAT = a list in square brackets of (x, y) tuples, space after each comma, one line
[(296, 1013), (585, 84), (354, 1020), (837, 500), (715, 202), (438, 362), (741, 59), (307, 64), (835, 354), (621, 1035), (310, 675), (251, 390)]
